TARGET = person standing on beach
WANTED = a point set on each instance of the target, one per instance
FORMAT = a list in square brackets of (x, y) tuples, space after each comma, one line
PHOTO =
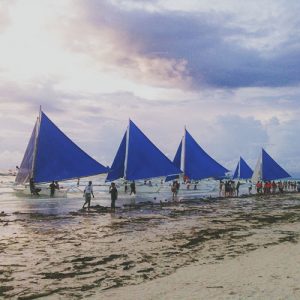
[(125, 187), (52, 187), (132, 188), (237, 188), (250, 189), (113, 195), (56, 185), (221, 184), (280, 186), (88, 192), (33, 190), (174, 190)]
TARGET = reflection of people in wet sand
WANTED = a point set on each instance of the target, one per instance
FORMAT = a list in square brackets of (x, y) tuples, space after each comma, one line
[(113, 195), (33, 190), (88, 192)]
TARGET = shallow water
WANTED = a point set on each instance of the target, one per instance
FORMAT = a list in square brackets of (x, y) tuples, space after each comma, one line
[(51, 249)]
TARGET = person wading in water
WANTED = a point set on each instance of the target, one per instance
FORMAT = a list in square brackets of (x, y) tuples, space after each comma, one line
[(88, 192), (52, 187), (132, 188), (113, 195)]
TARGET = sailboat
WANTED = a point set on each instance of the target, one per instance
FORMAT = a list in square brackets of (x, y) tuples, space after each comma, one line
[(138, 159), (267, 169), (51, 156), (195, 163), (242, 171)]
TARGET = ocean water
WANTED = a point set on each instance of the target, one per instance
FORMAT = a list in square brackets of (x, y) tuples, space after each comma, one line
[(11, 201)]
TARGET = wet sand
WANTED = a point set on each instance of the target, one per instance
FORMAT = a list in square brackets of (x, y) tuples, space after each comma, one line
[(215, 248)]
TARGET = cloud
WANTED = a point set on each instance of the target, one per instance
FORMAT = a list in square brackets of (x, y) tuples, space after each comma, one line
[(210, 44), (232, 136), (284, 143)]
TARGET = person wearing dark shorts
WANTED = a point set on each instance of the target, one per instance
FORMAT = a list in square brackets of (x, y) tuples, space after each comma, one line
[(52, 187), (113, 195), (132, 188), (88, 193)]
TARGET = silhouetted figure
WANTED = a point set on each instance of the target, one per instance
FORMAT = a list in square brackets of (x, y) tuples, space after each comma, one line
[(237, 188), (52, 187), (113, 195), (132, 188), (34, 191)]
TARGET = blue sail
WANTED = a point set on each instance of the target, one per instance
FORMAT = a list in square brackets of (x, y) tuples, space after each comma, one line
[(198, 164), (144, 160), (58, 158), (245, 171), (176, 162), (236, 172), (271, 169), (242, 171), (177, 158), (117, 169), (26, 167)]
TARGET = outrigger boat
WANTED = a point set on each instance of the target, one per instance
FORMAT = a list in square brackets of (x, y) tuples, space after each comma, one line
[(242, 171), (51, 156), (196, 165), (268, 169), (139, 160)]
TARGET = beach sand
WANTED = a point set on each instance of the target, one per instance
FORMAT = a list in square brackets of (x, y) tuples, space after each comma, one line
[(266, 273), (202, 249)]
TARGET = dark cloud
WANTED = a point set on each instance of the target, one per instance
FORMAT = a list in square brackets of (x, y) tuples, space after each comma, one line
[(207, 41)]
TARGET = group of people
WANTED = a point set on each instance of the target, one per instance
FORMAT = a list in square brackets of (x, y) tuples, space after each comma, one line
[(132, 187), (53, 186), (229, 188), (35, 190), (88, 193), (269, 187)]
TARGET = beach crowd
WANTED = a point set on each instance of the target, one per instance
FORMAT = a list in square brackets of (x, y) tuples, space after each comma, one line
[(230, 188)]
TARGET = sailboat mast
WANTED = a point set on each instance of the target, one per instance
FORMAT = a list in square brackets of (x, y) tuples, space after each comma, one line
[(239, 172), (37, 132), (126, 151), (261, 165), (182, 158)]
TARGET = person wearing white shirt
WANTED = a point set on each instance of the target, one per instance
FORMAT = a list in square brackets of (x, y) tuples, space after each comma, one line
[(88, 192)]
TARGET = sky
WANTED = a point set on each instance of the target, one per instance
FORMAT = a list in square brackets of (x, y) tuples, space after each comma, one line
[(228, 70)]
